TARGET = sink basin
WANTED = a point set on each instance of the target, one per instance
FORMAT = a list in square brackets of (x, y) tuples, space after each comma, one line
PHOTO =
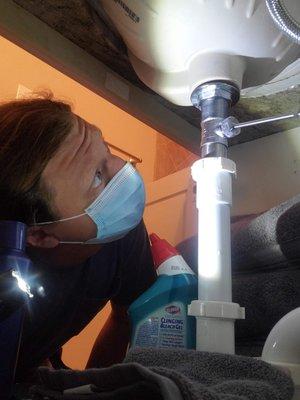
[(175, 45)]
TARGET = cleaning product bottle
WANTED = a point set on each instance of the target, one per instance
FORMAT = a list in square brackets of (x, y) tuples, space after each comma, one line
[(159, 316)]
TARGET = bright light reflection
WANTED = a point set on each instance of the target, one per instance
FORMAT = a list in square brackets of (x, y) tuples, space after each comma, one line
[(23, 285), (209, 242)]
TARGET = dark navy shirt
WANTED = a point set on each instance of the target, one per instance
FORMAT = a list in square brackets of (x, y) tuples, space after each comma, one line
[(120, 272)]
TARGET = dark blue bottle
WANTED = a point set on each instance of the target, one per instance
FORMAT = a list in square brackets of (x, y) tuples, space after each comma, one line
[(12, 257)]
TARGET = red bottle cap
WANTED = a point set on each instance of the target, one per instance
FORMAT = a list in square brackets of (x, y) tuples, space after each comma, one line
[(161, 250)]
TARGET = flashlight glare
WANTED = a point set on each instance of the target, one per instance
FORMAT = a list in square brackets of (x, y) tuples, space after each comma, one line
[(23, 285)]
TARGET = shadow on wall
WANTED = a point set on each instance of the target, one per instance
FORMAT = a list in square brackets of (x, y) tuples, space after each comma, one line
[(268, 172), (170, 207)]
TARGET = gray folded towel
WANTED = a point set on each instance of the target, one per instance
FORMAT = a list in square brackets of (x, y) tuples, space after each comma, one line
[(269, 239), (172, 375)]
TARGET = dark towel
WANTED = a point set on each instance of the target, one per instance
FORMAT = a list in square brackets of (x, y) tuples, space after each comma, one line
[(266, 271), (270, 239), (174, 375)]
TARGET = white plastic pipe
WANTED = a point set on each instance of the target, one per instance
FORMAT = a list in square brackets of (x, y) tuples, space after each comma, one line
[(214, 199), (214, 311)]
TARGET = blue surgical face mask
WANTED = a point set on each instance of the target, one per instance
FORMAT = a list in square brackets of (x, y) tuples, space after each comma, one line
[(118, 208)]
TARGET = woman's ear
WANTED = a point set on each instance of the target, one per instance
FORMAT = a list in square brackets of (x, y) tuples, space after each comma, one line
[(38, 237)]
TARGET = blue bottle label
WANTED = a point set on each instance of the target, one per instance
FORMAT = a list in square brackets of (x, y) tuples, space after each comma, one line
[(166, 329)]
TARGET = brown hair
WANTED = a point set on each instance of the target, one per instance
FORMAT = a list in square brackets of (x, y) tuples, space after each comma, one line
[(31, 131)]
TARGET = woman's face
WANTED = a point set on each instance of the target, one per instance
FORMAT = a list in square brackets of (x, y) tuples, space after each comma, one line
[(77, 173)]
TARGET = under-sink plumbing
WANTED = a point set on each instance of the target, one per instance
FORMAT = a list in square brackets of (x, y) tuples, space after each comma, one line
[(214, 310), (214, 99), (213, 173)]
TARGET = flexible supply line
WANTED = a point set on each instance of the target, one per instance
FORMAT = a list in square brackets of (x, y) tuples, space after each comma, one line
[(283, 20), (265, 120), (230, 126)]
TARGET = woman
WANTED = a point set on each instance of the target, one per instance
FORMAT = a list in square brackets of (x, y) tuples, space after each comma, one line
[(83, 207)]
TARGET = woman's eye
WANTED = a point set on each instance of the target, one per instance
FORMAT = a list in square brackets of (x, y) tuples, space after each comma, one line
[(97, 179)]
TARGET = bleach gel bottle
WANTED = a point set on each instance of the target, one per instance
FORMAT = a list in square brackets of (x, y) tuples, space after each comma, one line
[(159, 317)]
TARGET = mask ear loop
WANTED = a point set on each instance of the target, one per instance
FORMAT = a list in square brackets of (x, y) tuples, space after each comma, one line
[(66, 242), (59, 220), (82, 243)]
